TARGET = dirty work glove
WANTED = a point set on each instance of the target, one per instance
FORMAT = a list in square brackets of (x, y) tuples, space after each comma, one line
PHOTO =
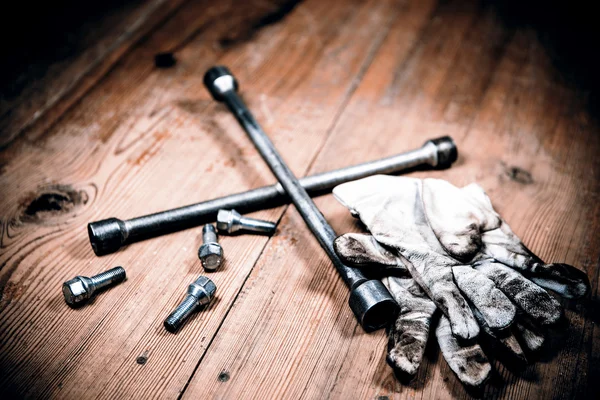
[(408, 336), (456, 246)]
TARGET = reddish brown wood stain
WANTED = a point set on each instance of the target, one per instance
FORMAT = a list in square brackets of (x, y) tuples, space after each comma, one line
[(334, 83)]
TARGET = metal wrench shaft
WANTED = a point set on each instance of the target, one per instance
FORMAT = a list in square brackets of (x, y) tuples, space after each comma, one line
[(109, 235)]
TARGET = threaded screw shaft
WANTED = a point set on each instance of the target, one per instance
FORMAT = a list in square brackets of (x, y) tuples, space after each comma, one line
[(210, 252), (209, 234), (181, 313), (231, 221), (200, 293), (258, 225), (108, 278)]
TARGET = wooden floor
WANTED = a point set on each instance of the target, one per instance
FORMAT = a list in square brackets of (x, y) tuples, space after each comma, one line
[(334, 83)]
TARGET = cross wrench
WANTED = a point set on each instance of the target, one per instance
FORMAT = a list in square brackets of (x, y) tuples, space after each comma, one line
[(371, 302)]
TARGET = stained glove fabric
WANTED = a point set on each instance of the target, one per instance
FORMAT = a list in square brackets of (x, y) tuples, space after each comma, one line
[(456, 246), (408, 336)]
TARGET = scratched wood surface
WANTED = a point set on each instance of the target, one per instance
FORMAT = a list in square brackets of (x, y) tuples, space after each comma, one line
[(334, 83), (36, 94)]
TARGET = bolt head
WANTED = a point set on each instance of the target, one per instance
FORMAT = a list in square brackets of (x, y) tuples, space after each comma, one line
[(211, 255), (76, 291), (202, 289), (228, 221)]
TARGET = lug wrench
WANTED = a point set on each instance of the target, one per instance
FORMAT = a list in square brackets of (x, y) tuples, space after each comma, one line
[(371, 302), (109, 235)]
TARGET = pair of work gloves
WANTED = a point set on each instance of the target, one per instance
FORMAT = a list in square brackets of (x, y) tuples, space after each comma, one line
[(439, 247)]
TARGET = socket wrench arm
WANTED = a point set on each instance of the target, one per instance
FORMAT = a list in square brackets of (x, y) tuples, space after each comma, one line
[(109, 235)]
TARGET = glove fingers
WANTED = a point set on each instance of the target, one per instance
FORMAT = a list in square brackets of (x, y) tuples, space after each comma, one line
[(523, 333), (532, 299), (530, 335), (504, 246), (469, 363), (494, 307), (437, 281), (511, 344), (408, 336), (363, 250), (505, 340), (564, 279)]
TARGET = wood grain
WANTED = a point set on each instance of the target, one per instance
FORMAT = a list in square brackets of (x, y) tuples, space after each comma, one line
[(118, 171), (441, 80), (333, 83), (48, 93)]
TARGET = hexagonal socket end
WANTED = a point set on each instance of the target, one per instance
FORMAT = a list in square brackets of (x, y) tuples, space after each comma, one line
[(373, 305), (211, 256), (219, 80), (77, 291), (447, 152), (107, 236)]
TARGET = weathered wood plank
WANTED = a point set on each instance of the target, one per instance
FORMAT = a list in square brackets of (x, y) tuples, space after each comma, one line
[(333, 83), (519, 130), (145, 140), (47, 94)]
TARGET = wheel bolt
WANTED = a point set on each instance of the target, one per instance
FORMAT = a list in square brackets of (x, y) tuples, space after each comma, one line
[(80, 289)]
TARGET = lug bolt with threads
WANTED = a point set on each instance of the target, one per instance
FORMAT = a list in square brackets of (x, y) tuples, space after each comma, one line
[(80, 289), (231, 221), (200, 293)]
